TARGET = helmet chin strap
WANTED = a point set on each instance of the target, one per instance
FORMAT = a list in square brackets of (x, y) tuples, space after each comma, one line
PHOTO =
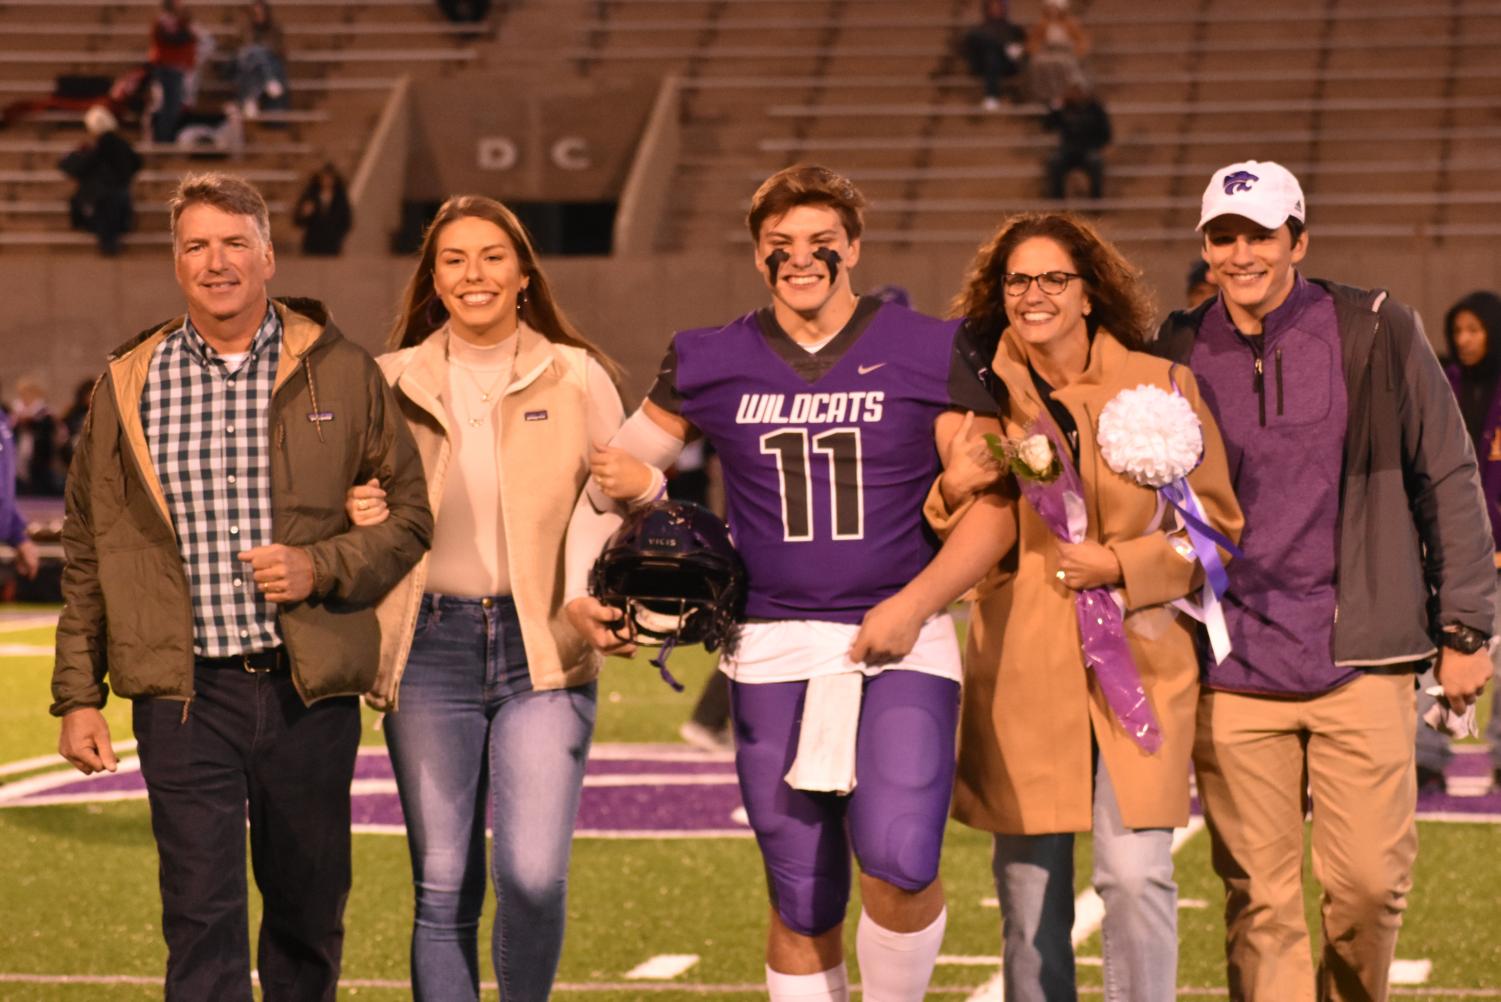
[(660, 662)]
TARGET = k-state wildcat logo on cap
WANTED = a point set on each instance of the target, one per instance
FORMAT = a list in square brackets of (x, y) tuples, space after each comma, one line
[(1239, 181)]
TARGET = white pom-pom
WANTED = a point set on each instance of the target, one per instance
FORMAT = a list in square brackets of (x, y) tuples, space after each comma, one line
[(1150, 435)]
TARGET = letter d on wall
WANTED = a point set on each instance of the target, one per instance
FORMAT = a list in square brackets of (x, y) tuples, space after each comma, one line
[(496, 153)]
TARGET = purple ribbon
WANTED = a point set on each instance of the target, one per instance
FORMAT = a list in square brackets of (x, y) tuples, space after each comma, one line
[(1204, 538), (1102, 631)]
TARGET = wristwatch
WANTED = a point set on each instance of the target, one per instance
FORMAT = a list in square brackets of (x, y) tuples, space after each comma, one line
[(1461, 638)]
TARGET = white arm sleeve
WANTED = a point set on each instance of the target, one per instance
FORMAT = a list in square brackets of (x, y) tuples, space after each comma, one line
[(653, 445), (595, 515)]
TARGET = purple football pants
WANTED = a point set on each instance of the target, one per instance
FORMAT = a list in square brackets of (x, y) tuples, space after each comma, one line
[(894, 818)]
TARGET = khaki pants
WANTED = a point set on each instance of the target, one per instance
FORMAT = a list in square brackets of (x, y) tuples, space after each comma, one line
[(1352, 750)]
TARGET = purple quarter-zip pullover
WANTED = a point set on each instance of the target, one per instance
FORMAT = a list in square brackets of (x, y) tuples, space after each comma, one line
[(1280, 402)]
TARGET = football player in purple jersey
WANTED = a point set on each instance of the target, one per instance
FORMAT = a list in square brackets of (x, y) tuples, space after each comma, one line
[(832, 415)]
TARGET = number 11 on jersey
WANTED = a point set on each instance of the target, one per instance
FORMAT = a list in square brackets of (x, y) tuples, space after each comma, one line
[(790, 446)]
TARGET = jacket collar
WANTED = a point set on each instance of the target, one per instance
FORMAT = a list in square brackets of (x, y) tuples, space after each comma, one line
[(424, 380), (1106, 355)]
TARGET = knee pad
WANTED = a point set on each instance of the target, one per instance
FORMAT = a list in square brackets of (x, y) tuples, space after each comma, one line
[(809, 904)]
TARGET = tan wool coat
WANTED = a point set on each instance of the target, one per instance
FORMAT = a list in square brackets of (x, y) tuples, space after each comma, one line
[(1031, 709), (544, 463)]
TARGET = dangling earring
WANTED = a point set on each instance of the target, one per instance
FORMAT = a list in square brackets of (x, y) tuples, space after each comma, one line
[(436, 313), (520, 301)]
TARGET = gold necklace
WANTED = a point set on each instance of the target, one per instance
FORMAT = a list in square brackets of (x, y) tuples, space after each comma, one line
[(479, 412)]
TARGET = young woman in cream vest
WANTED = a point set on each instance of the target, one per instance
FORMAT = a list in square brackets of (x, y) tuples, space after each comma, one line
[(490, 692)]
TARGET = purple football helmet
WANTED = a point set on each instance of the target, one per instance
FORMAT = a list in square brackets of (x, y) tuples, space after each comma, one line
[(674, 573)]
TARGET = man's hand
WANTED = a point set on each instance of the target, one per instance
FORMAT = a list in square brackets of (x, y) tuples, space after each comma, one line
[(284, 574), (1088, 565), (85, 741), (968, 466), (366, 503), (1463, 676), (887, 633), (619, 474), (28, 559), (592, 618)]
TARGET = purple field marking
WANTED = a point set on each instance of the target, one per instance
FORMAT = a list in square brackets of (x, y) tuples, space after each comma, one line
[(651, 806)]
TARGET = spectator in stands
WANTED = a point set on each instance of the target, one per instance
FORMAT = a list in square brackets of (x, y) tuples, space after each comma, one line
[(323, 213), (124, 95), (213, 133), (260, 63), (1199, 286), (464, 11), (104, 167), (995, 49), (1472, 329), (37, 435), (173, 55), (1083, 128), (12, 525), (1057, 45), (1367, 552), (73, 418)]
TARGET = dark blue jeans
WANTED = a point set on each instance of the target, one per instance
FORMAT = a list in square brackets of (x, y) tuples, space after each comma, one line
[(470, 733), (248, 740)]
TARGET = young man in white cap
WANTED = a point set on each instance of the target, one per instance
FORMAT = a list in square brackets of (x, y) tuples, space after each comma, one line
[(1366, 553)]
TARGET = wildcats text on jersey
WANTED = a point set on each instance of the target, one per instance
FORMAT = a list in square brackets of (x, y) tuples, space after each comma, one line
[(810, 408)]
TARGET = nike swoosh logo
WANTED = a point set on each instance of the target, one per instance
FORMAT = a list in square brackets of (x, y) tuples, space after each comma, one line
[(866, 370)]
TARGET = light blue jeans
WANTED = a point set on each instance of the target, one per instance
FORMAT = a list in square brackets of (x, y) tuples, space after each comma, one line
[(469, 729), (1133, 875)]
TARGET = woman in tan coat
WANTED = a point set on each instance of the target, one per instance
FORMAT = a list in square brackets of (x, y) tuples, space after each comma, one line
[(1042, 755), (496, 688)]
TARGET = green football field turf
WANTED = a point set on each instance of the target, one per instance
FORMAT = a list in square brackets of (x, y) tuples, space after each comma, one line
[(79, 898)]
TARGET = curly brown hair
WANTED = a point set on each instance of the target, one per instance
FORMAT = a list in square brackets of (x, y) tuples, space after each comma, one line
[(421, 311), (1121, 302)]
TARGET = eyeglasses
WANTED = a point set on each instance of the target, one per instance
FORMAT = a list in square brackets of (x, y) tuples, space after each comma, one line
[(1050, 282)]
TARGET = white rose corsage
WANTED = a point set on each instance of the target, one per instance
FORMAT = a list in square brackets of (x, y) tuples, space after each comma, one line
[(1150, 435), (1154, 437), (1032, 458)]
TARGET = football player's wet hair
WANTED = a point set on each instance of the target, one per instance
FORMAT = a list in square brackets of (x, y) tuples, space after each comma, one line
[(1120, 300), (807, 184)]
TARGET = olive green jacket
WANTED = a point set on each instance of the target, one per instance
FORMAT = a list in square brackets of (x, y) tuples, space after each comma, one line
[(128, 616)]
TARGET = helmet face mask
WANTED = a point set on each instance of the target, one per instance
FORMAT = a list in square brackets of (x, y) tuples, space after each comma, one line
[(674, 574)]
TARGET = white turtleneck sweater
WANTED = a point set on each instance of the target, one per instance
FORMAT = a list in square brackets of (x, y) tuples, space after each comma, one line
[(468, 556)]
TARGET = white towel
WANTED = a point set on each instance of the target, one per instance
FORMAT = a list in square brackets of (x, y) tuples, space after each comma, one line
[(825, 761), (1441, 718)]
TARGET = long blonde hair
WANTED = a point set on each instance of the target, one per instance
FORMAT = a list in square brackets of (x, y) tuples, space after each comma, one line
[(422, 311)]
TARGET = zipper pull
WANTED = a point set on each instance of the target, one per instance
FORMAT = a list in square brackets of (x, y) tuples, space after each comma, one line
[(1260, 385)]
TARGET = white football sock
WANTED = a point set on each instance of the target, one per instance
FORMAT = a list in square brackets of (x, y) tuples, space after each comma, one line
[(832, 985), (897, 966)]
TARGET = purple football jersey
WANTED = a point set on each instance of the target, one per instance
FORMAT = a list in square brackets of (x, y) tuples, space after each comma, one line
[(827, 456)]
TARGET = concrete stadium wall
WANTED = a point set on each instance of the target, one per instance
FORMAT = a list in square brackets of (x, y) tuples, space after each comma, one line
[(63, 313)]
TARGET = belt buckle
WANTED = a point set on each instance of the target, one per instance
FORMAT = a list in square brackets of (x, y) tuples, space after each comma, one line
[(252, 669)]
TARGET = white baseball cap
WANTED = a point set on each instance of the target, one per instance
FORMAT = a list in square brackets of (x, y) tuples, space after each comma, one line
[(1263, 191)]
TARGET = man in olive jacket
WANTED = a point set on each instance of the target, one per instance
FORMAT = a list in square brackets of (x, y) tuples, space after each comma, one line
[(213, 578)]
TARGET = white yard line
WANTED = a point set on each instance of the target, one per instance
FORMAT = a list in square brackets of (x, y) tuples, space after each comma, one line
[(42, 761), (22, 623), (1089, 910), (662, 967), (26, 651)]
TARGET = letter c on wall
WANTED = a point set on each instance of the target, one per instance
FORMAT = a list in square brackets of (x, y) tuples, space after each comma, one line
[(571, 153)]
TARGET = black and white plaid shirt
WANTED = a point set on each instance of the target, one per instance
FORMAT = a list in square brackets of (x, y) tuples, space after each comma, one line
[(206, 426)]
